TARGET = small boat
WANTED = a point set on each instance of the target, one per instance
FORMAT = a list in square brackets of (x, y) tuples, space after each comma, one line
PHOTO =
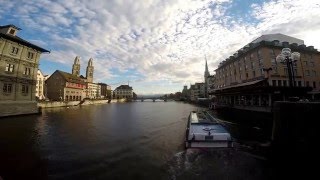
[(204, 131)]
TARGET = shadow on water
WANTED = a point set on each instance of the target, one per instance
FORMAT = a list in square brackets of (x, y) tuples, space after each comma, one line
[(216, 164)]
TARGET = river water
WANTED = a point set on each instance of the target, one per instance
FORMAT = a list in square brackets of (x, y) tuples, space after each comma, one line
[(137, 140)]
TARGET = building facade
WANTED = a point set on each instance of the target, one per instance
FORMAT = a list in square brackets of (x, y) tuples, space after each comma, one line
[(197, 91), (19, 61), (93, 90), (123, 91), (40, 94), (63, 86), (253, 77), (105, 92)]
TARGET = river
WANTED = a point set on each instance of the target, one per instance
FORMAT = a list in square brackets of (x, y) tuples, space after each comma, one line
[(137, 140)]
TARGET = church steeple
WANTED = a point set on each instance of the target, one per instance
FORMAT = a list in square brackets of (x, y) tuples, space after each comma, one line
[(89, 72), (206, 72), (76, 66)]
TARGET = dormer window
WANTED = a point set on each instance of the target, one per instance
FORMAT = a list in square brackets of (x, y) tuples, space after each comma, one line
[(12, 31)]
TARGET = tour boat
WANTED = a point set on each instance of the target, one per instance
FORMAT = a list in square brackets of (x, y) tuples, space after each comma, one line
[(204, 131)]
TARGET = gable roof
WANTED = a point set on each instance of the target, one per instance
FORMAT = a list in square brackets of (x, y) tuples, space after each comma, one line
[(70, 77), (19, 40), (124, 87)]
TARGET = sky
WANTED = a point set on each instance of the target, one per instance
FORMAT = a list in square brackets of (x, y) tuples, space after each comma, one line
[(157, 46)]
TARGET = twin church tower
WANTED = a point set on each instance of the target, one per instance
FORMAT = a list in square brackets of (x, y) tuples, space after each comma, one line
[(89, 71)]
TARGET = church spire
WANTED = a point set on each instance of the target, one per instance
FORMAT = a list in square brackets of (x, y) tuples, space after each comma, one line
[(76, 66), (206, 72), (89, 72)]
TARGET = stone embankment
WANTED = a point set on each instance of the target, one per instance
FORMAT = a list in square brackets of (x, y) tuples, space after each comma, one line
[(52, 104)]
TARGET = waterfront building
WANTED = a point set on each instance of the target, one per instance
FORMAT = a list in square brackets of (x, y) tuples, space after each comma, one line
[(210, 86), (40, 85), (63, 86), (19, 61), (105, 92), (93, 90), (197, 91), (252, 79), (185, 93), (123, 91)]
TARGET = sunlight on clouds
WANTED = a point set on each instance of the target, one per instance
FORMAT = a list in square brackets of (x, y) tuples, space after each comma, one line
[(163, 41)]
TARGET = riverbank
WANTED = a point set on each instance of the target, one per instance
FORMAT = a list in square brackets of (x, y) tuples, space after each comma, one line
[(52, 104)]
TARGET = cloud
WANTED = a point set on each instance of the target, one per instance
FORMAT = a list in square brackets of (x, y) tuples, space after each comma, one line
[(162, 41)]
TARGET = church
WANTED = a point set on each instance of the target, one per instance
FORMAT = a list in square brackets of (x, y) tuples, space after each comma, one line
[(63, 86)]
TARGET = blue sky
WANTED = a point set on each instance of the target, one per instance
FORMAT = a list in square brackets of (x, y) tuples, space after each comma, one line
[(156, 45)]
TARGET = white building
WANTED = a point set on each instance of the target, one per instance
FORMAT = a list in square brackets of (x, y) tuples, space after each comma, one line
[(40, 85), (93, 90), (123, 91)]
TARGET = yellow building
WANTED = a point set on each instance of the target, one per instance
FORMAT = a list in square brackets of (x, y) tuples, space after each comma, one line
[(19, 61), (252, 78)]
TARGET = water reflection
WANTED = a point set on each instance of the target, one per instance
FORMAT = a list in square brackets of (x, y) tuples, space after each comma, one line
[(138, 140)]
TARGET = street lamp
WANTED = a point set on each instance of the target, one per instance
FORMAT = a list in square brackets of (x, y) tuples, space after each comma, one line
[(287, 57)]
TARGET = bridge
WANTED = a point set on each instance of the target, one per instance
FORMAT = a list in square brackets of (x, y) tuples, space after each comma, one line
[(150, 98)]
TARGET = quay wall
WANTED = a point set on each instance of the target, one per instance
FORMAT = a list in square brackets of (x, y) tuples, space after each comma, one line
[(51, 104), (13, 108), (89, 102)]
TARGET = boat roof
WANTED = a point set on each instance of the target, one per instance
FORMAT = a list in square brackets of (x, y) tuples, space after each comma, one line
[(202, 117)]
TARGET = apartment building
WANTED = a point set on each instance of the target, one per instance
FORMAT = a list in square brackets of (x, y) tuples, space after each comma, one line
[(252, 76), (19, 61)]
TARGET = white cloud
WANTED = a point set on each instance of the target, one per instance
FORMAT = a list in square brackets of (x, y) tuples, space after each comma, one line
[(161, 40)]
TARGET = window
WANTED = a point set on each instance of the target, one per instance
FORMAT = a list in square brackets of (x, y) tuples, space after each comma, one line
[(14, 50), (275, 70), (284, 82), (260, 62), (247, 75), (259, 53), (12, 31), (272, 54), (299, 83), (261, 71), (9, 68), (273, 61), (285, 70), (314, 84), (26, 71), (279, 83), (295, 72), (314, 73), (307, 83), (312, 64), (253, 73), (25, 89), (252, 65), (306, 63), (30, 55), (274, 83), (7, 88), (251, 56), (307, 73)]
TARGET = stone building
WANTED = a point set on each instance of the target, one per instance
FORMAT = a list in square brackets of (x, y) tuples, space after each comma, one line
[(63, 86), (123, 91), (19, 61), (252, 79)]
